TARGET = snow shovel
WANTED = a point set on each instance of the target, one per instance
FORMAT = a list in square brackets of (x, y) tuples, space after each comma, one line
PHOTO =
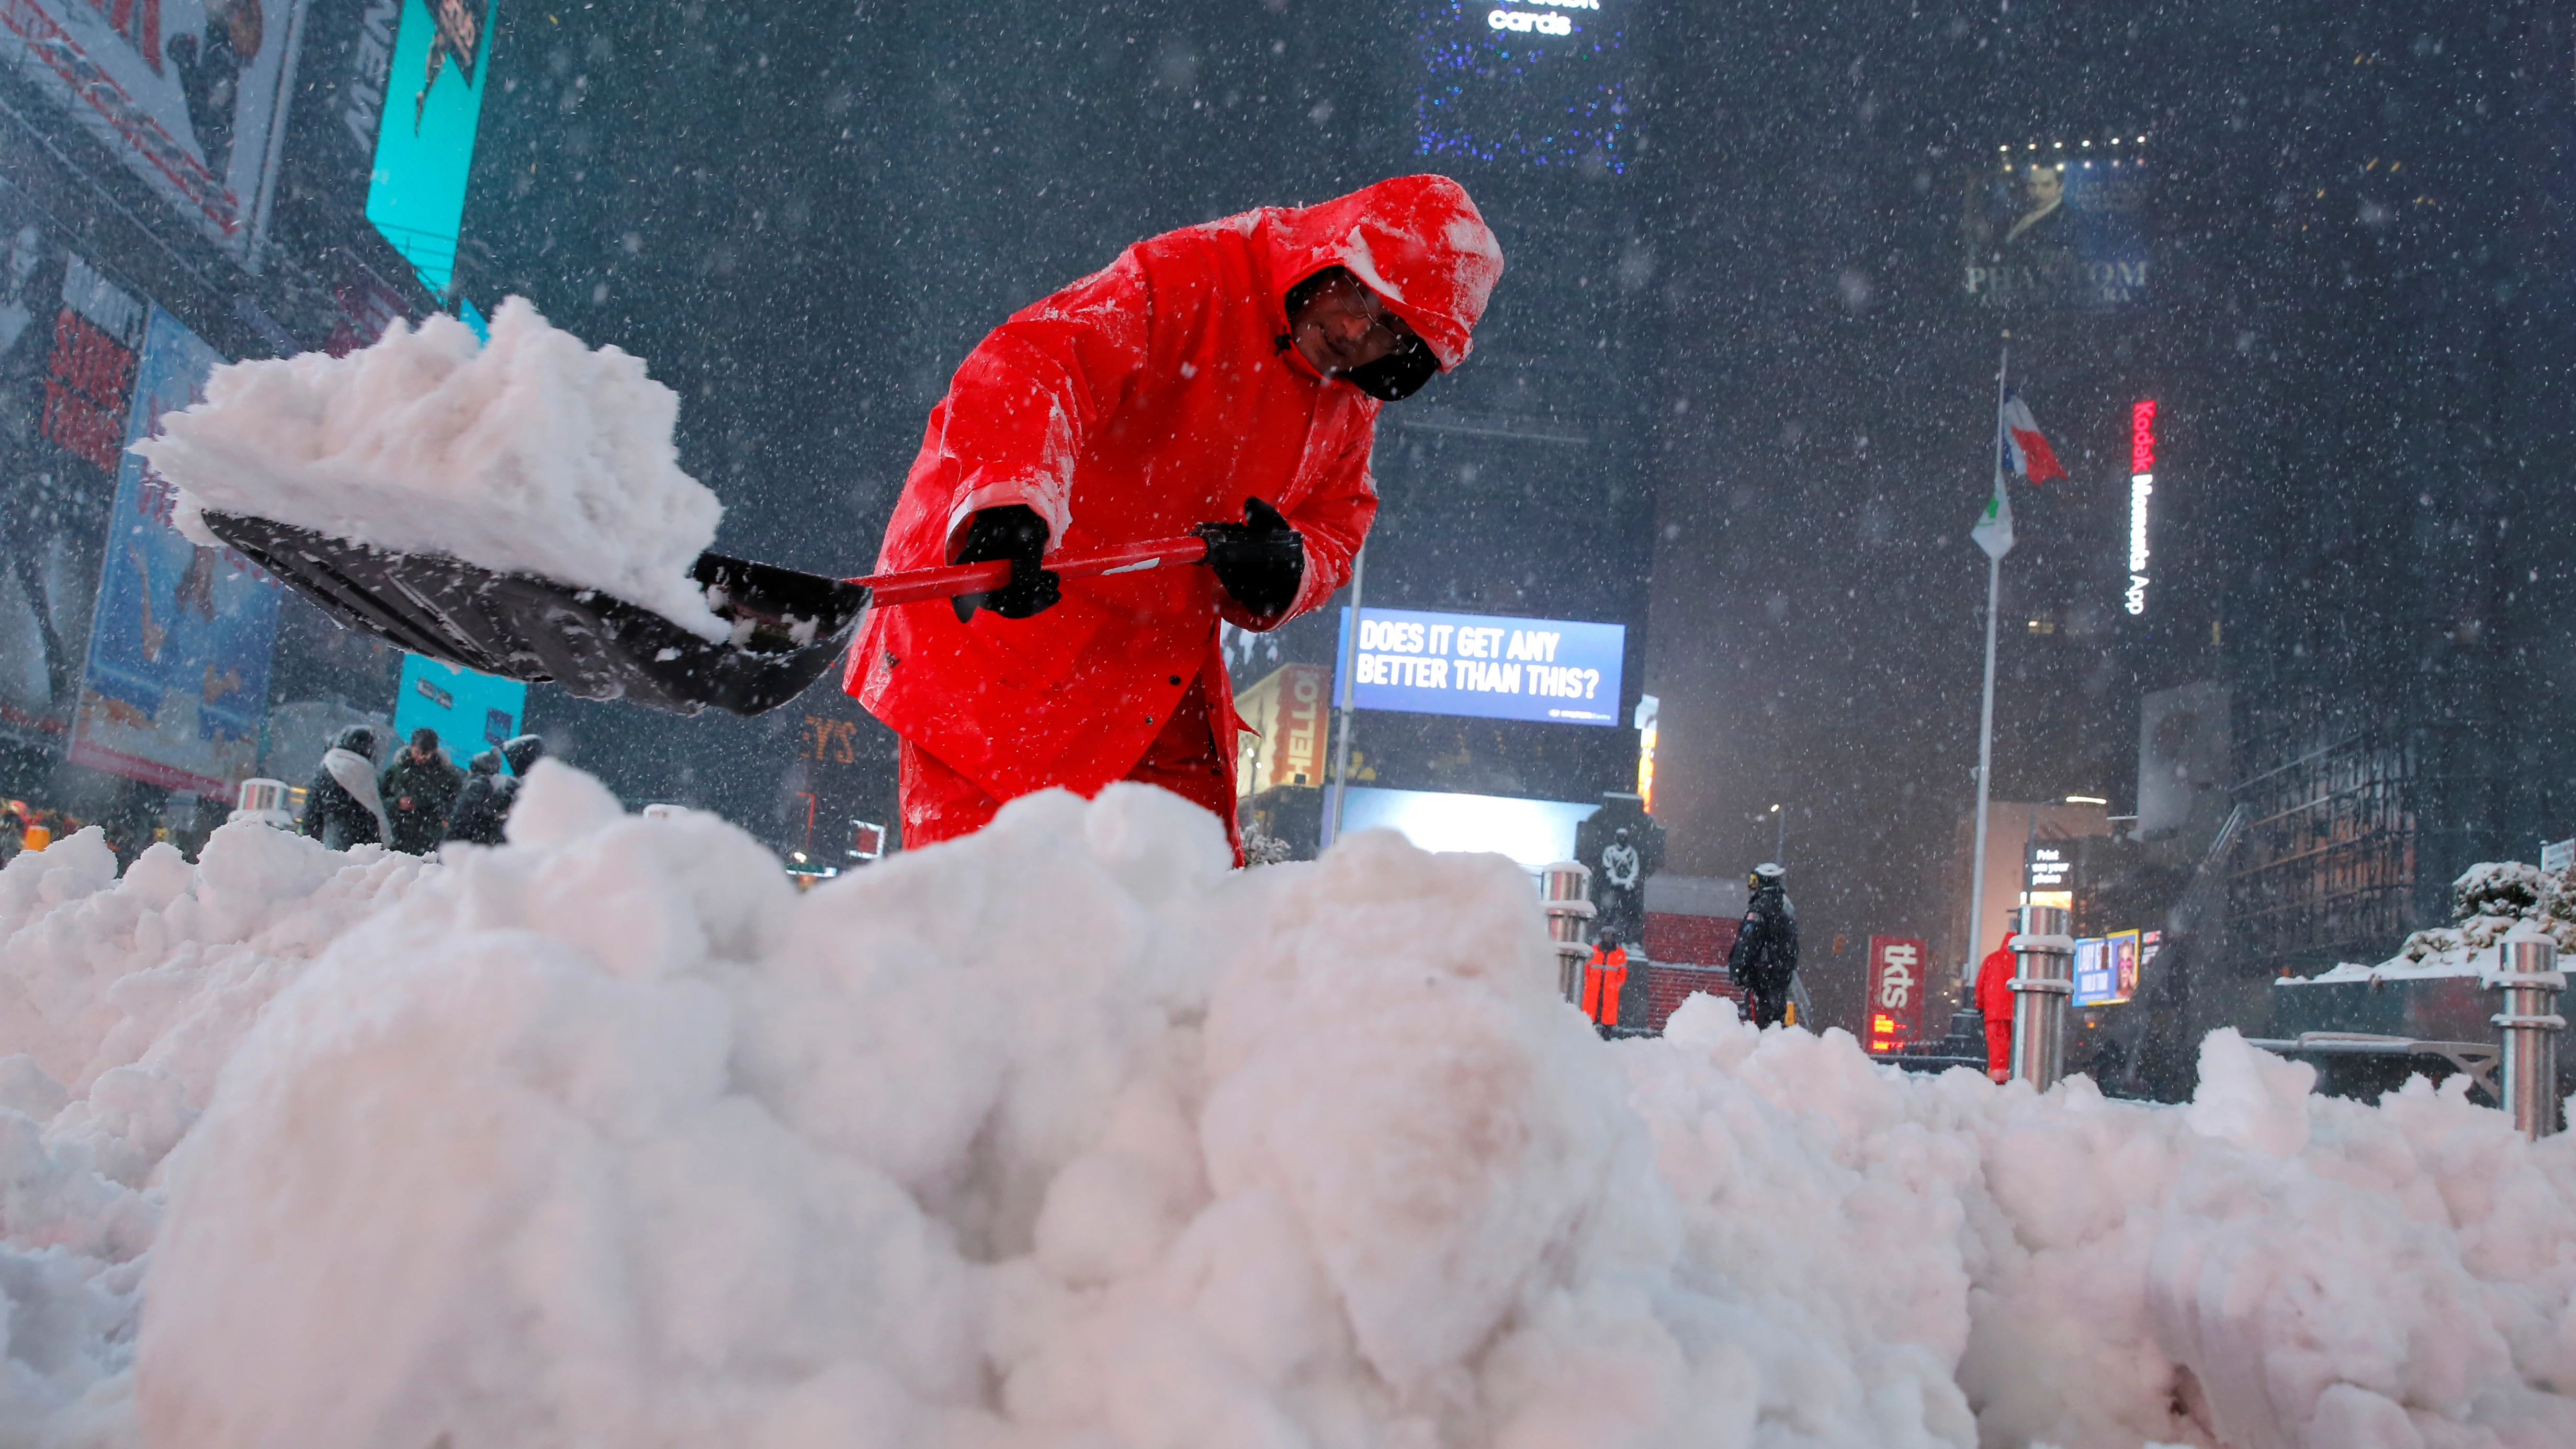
[(788, 627)]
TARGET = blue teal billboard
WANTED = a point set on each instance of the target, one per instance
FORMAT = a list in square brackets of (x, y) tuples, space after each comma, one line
[(470, 711), (175, 687), (425, 137)]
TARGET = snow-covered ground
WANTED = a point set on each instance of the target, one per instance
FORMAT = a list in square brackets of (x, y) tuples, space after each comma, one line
[(1064, 1135), (530, 454)]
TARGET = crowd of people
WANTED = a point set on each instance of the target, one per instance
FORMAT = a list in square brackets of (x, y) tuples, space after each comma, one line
[(420, 799)]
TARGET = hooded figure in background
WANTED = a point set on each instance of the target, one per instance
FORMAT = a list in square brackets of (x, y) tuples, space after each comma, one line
[(342, 806), (1765, 955), (483, 806), (1232, 370)]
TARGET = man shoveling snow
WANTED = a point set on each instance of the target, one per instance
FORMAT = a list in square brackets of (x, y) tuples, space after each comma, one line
[(518, 508), (1230, 370)]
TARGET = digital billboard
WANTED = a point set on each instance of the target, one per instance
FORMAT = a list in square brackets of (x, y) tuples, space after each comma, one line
[(189, 97), (2093, 980), (1554, 671), (68, 337), (1536, 81), (470, 711), (1286, 711), (2107, 967), (176, 684), (1896, 984), (432, 106), (2059, 225), (1533, 833)]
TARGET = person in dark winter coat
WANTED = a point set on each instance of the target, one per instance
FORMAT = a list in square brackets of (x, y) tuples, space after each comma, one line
[(418, 788), (483, 806), (1765, 955), (342, 806)]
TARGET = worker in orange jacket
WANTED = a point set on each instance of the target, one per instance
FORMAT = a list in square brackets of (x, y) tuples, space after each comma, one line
[(1995, 1004), (1604, 976)]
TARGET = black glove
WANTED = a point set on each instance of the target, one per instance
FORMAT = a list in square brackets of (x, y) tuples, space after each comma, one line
[(1260, 561), (1016, 533)]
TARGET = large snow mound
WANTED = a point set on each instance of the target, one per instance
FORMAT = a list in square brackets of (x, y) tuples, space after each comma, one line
[(529, 454), (1064, 1135)]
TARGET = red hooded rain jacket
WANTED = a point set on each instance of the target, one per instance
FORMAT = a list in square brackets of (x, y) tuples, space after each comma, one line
[(1155, 394)]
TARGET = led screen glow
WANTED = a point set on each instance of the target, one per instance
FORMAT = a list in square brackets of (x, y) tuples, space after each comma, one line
[(425, 141), (1534, 81), (1554, 671), (1533, 833)]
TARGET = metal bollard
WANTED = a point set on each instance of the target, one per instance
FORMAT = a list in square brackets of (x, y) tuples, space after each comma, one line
[(2530, 1025), (2043, 983), (1565, 889)]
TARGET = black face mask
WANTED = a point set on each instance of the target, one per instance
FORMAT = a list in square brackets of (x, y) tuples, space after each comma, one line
[(1398, 375)]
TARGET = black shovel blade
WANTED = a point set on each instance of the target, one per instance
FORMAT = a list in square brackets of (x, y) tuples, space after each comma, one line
[(789, 627)]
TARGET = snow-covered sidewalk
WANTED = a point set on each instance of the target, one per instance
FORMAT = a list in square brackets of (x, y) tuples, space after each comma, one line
[(1064, 1135)]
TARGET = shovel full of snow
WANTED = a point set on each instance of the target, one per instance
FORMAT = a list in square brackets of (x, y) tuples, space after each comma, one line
[(787, 627)]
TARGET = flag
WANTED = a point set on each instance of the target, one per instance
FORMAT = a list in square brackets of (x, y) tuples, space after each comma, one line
[(2026, 450), (1993, 532)]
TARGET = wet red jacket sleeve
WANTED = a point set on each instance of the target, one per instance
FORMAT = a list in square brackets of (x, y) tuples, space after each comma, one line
[(1024, 402)]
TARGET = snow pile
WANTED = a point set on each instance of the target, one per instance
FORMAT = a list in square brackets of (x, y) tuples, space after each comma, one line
[(531, 454), (1063, 1135), (2490, 902), (120, 1001)]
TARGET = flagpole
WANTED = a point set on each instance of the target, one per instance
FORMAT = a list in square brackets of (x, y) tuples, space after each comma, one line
[(1986, 718)]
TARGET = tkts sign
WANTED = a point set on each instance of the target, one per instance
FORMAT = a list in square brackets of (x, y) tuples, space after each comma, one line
[(1895, 991)]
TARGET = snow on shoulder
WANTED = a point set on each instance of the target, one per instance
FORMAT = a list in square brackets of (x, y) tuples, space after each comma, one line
[(1064, 1134), (532, 454)]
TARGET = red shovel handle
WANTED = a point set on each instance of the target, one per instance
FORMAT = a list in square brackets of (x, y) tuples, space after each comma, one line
[(914, 585)]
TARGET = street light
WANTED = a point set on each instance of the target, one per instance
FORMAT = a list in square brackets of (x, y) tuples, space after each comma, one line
[(1779, 835)]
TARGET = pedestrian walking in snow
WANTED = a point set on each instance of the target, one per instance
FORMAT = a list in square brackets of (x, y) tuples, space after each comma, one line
[(1995, 1005), (1604, 977), (342, 806), (1764, 959), (483, 806), (418, 790), (1223, 371)]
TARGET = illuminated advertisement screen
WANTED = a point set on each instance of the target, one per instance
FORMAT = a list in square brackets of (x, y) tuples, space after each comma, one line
[(471, 712), (1553, 671), (1533, 833), (2059, 225), (176, 687), (189, 98), (2094, 983), (425, 141), (1896, 982), (1535, 81), (2125, 961)]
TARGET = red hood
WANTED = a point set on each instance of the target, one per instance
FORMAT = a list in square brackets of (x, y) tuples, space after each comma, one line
[(1417, 241)]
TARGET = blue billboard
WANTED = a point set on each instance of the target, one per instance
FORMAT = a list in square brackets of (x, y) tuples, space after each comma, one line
[(470, 711), (1553, 671), (176, 684), (425, 149)]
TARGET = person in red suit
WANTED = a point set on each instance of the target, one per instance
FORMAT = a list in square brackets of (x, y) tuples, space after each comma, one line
[(1232, 370), (1995, 1004), (1604, 977)]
